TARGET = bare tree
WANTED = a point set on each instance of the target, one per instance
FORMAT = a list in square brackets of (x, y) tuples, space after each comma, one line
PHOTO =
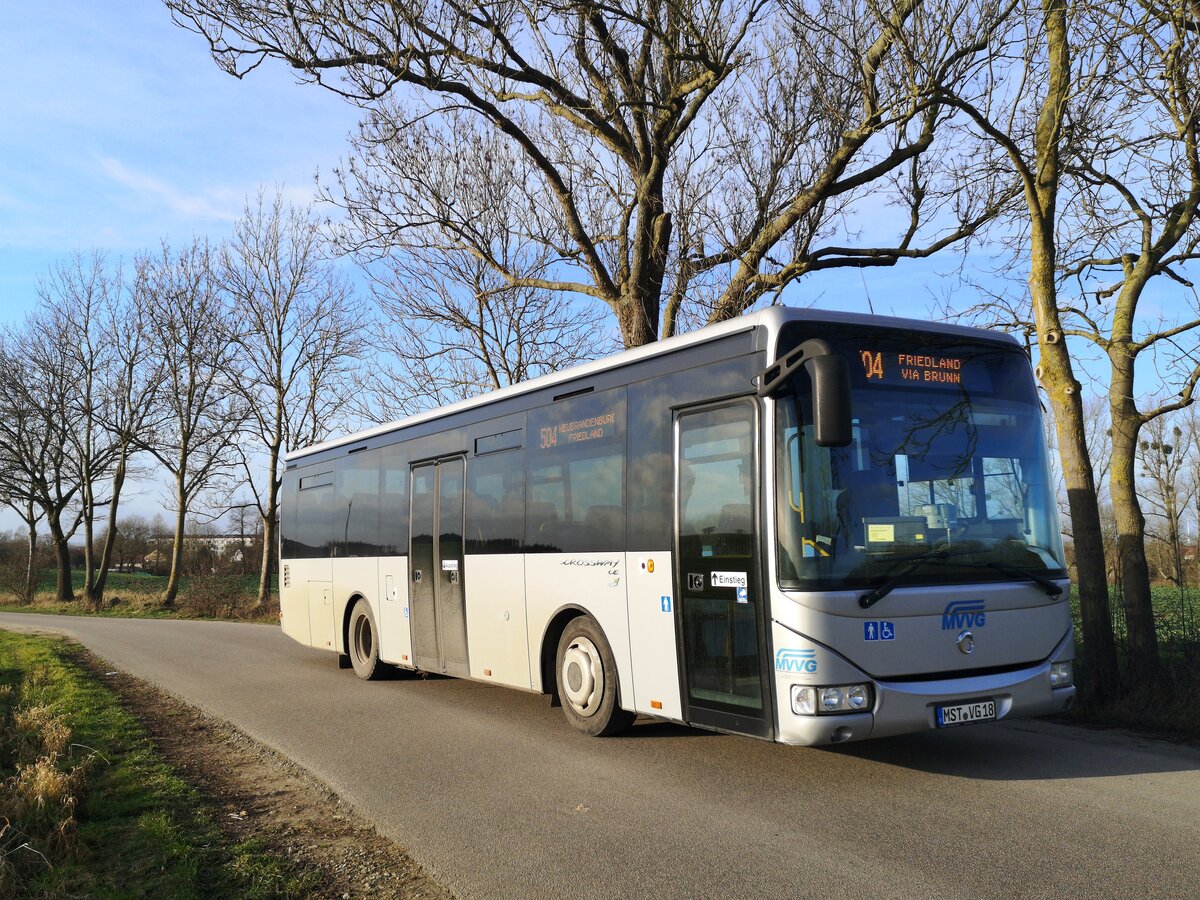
[(669, 148), (39, 410), (16, 493), (192, 336), (1026, 125), (454, 327), (298, 336), (1136, 170), (1165, 455), (131, 543), (129, 385), (76, 298)]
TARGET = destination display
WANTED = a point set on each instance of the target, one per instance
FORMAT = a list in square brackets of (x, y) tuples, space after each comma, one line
[(577, 431), (911, 368)]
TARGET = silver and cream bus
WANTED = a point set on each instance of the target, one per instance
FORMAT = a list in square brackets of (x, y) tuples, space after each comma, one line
[(805, 526)]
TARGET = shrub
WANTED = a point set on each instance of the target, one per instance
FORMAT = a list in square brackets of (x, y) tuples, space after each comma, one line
[(214, 596)]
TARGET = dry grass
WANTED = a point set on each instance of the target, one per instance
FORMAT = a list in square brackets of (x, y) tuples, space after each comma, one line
[(38, 802)]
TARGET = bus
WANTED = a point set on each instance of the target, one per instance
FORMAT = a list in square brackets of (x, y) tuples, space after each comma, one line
[(800, 525)]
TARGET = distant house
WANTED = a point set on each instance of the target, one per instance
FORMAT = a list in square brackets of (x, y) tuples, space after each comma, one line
[(218, 542)]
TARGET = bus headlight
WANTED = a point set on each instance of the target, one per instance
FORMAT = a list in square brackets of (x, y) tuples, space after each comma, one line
[(811, 701), (804, 700), (1062, 674)]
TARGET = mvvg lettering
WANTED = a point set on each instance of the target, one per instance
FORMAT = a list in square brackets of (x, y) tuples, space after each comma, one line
[(802, 661), (963, 614)]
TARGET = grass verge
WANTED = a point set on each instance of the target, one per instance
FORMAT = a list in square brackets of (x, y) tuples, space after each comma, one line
[(229, 597), (91, 809)]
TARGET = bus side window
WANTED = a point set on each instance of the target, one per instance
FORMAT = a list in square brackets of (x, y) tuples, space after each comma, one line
[(289, 497), (496, 502), (576, 483), (356, 508), (314, 516), (393, 513)]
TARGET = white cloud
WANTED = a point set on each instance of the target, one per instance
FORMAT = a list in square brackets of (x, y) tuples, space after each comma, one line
[(221, 204)]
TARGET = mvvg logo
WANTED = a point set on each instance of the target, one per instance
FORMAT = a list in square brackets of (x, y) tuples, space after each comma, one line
[(802, 661), (963, 614)]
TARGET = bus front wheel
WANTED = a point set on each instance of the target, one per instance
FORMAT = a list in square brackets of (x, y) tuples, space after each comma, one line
[(587, 680), (363, 643)]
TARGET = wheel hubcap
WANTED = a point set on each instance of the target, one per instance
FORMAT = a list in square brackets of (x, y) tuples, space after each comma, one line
[(583, 676)]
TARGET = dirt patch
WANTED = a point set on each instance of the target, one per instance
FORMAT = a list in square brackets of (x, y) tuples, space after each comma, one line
[(259, 794)]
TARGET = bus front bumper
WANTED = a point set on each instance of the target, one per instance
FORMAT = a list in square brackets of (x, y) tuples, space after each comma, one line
[(903, 707)]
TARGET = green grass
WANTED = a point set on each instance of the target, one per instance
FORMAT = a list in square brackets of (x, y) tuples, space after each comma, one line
[(1169, 708), (139, 595), (143, 831)]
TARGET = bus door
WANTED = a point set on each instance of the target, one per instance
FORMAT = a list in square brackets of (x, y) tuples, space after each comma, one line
[(720, 616), (438, 607)]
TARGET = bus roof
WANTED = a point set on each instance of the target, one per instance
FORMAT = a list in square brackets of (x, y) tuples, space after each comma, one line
[(771, 320)]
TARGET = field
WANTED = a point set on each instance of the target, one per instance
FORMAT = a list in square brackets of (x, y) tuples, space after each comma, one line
[(140, 595)]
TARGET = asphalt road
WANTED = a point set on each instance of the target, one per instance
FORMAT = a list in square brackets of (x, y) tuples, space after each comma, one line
[(496, 796)]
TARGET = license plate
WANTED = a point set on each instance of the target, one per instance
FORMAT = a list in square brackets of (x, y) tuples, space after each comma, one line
[(966, 713)]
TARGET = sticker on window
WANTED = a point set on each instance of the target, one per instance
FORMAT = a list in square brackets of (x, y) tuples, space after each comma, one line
[(729, 579)]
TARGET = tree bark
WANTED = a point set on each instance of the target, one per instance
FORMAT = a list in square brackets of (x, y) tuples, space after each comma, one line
[(110, 538), (172, 591), (1145, 669), (1056, 372), (270, 539), (31, 565), (63, 591)]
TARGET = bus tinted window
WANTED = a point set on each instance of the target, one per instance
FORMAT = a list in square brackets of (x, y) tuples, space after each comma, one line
[(496, 503), (651, 470), (287, 507), (357, 504), (393, 512), (313, 534), (576, 455)]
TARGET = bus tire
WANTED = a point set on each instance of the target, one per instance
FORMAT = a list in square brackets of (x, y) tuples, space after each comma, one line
[(362, 640), (586, 675)]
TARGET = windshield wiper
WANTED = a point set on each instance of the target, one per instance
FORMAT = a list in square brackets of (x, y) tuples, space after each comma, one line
[(912, 563), (1051, 589), (869, 599)]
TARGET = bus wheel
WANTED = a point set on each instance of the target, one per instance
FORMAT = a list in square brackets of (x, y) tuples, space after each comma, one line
[(587, 680), (363, 643)]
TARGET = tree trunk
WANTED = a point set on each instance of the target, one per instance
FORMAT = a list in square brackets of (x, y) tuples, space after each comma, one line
[(63, 591), (172, 591), (1098, 647), (31, 564), (89, 561), (638, 318), (1056, 372), (110, 538), (270, 539), (1144, 666)]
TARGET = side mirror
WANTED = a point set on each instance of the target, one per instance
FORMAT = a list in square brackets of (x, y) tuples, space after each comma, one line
[(831, 400), (830, 376)]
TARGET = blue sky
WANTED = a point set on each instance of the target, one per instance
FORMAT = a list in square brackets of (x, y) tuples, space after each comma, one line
[(118, 130)]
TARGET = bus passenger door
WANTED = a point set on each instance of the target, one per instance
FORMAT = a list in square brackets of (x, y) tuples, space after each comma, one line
[(720, 618), (438, 608)]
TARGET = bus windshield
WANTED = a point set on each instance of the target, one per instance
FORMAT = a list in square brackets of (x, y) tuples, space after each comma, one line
[(945, 479)]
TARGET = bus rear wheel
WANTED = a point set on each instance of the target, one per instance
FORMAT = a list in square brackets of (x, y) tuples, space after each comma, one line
[(587, 680), (363, 643)]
